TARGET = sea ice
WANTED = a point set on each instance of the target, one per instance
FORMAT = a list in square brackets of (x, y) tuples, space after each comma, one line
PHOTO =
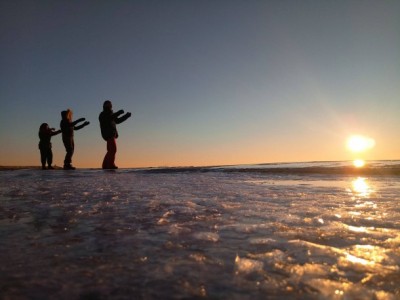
[(213, 233)]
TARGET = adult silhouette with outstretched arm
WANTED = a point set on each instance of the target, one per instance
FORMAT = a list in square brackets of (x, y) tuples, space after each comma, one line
[(67, 128), (108, 125)]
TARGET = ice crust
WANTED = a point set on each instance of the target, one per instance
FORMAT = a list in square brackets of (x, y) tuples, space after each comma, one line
[(138, 235)]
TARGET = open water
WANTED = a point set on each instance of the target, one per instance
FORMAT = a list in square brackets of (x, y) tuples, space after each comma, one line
[(239, 232)]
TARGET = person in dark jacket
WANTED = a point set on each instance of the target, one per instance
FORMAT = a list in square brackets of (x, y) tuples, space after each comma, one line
[(67, 129), (108, 125), (46, 154)]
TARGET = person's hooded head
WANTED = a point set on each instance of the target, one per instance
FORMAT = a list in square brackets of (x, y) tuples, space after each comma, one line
[(44, 127), (66, 115), (107, 105)]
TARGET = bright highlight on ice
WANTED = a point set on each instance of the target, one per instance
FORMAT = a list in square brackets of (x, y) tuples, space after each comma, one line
[(361, 187), (359, 143)]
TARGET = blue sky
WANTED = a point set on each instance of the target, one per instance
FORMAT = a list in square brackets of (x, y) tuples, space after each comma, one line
[(207, 82)]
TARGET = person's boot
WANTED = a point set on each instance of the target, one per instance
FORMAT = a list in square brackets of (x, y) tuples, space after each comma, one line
[(69, 167)]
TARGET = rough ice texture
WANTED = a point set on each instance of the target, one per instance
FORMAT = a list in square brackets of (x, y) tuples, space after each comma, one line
[(92, 234)]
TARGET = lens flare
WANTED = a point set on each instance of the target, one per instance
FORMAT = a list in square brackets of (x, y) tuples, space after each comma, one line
[(359, 143)]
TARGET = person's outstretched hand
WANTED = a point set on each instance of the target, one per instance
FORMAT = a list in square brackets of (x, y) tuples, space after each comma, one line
[(81, 120), (128, 114), (120, 112), (86, 123)]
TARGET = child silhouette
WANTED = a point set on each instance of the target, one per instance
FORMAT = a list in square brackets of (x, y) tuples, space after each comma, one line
[(68, 127), (46, 154)]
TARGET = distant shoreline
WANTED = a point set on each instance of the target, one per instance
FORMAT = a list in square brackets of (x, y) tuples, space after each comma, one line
[(317, 170), (15, 168)]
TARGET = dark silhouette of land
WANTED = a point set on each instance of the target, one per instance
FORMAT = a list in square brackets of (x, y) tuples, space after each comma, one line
[(393, 170), (14, 168)]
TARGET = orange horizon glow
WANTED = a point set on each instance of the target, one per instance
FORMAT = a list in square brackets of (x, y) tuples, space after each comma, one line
[(137, 153)]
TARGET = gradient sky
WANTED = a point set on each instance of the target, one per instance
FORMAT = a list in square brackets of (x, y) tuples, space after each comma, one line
[(207, 82)]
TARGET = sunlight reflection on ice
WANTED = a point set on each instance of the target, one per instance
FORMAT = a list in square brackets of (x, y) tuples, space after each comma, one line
[(245, 265), (354, 259), (357, 229), (361, 187)]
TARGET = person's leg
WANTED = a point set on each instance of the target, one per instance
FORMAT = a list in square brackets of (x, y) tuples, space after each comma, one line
[(109, 158), (69, 147), (50, 158), (72, 150), (43, 157), (67, 160)]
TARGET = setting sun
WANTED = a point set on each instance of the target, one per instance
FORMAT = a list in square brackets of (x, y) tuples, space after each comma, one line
[(358, 163), (359, 143)]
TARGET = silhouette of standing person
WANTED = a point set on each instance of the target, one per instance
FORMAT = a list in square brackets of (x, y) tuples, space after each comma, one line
[(108, 125), (67, 129), (46, 154)]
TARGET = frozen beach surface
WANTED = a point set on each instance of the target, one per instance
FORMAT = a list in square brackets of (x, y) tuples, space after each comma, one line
[(214, 233)]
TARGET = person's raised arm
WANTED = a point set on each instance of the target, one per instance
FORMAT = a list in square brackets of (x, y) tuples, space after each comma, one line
[(78, 121), (54, 132), (123, 118), (117, 114), (81, 126)]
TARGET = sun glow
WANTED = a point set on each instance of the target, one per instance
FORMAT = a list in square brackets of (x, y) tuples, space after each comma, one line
[(359, 163), (359, 143)]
